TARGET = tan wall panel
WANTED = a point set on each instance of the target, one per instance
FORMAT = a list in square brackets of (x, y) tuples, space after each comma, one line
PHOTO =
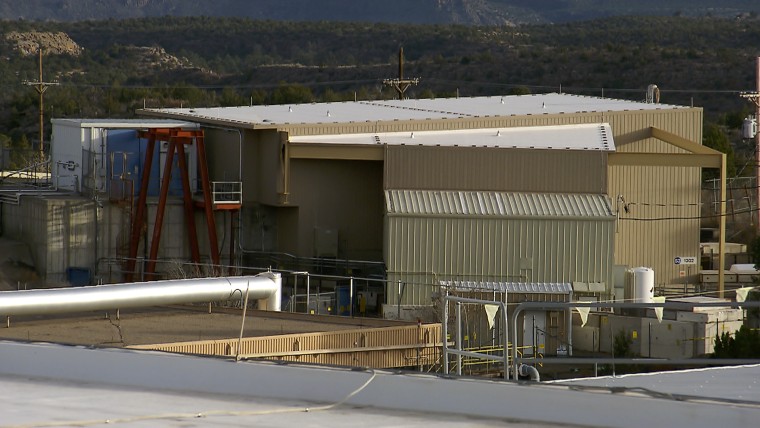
[(663, 218), (466, 168), (345, 196)]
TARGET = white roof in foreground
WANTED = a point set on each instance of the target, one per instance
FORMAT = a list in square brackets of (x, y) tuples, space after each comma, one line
[(559, 137), (402, 110), (496, 204), (57, 385)]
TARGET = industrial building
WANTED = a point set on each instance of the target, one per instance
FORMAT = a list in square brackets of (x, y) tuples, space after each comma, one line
[(537, 188), (381, 202)]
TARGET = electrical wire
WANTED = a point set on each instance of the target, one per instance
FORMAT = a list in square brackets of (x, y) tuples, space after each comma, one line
[(165, 416), (662, 395)]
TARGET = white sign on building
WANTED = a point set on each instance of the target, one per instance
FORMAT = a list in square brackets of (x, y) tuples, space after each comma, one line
[(685, 260)]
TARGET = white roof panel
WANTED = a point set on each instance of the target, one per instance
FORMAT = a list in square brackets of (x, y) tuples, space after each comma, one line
[(403, 110), (559, 137), (124, 123), (498, 204), (725, 383), (75, 386)]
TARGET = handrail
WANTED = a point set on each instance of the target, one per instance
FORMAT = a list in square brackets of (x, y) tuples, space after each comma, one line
[(459, 351), (227, 192), (615, 305)]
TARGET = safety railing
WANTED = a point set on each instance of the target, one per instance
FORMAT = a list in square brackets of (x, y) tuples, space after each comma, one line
[(459, 351), (227, 192)]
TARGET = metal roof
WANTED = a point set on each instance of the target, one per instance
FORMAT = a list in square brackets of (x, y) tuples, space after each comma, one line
[(404, 110), (496, 204), (124, 123), (510, 287), (559, 137)]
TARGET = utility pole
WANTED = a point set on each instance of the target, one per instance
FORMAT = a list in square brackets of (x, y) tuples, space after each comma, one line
[(41, 86), (400, 84), (754, 97)]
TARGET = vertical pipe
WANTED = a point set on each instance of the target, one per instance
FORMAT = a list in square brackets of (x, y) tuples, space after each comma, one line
[(231, 270), (569, 312), (593, 348), (459, 337), (505, 330), (308, 293), (398, 302), (351, 297), (295, 293), (445, 331)]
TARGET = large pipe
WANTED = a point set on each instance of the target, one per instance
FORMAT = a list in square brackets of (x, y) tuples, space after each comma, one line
[(266, 287), (530, 371)]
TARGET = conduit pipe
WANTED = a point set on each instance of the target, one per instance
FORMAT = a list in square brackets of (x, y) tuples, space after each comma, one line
[(532, 372), (266, 287)]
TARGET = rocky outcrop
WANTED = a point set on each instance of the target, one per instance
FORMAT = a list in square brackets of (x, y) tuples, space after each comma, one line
[(155, 57), (52, 43)]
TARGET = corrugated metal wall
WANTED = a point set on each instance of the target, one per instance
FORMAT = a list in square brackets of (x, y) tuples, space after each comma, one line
[(424, 250), (650, 235), (662, 221)]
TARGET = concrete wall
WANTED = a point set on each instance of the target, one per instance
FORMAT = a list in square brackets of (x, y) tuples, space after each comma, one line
[(61, 234), (689, 335)]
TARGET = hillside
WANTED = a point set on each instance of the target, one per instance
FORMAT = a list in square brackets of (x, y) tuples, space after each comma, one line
[(468, 12), (111, 68)]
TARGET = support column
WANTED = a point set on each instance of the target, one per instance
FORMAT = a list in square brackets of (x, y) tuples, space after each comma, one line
[(139, 219)]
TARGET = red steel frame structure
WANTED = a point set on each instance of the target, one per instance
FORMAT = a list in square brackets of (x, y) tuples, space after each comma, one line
[(177, 139)]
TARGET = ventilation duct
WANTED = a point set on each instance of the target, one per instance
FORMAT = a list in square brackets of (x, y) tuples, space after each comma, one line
[(266, 287)]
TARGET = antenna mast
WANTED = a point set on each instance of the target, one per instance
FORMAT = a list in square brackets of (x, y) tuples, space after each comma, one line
[(400, 84)]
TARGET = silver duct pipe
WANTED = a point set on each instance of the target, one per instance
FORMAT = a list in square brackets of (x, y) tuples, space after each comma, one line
[(266, 287), (526, 370)]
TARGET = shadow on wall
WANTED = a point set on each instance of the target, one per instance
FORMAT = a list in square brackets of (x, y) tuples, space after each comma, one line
[(16, 266)]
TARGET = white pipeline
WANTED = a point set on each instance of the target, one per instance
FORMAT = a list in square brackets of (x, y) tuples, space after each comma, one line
[(266, 287)]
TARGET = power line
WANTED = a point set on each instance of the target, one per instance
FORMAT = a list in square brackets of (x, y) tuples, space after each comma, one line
[(699, 217)]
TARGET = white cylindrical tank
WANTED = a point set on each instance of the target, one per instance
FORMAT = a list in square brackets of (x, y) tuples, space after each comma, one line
[(643, 285)]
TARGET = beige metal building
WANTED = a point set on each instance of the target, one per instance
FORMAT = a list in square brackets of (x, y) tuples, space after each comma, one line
[(318, 178)]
